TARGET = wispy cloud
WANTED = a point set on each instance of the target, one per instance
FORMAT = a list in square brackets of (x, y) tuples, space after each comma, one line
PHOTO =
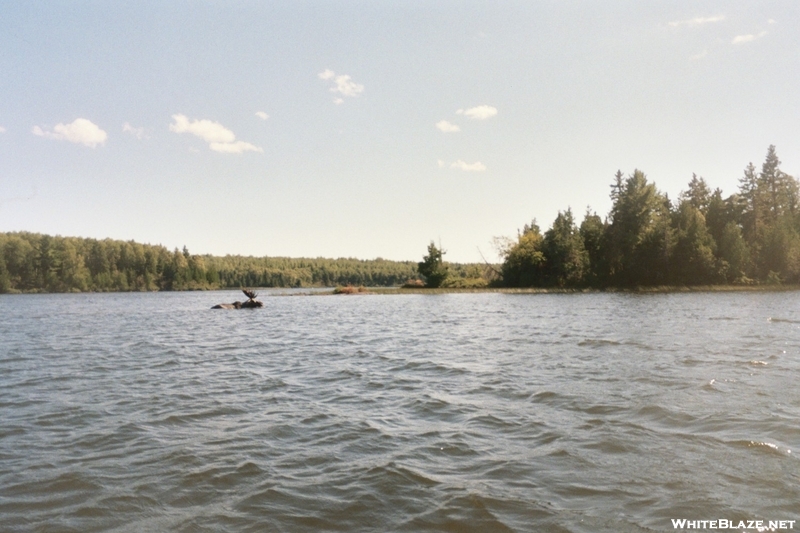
[(741, 39), (468, 167), (207, 130), (447, 127), (218, 137), (80, 131), (262, 115), (697, 21), (698, 57), (2, 129), (346, 86), (136, 132), (481, 112), (236, 147), (342, 84)]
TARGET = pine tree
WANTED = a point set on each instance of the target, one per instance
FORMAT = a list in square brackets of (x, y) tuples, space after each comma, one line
[(432, 268), (566, 261)]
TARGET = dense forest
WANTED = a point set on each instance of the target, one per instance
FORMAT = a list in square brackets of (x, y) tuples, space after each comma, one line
[(705, 238), (31, 262)]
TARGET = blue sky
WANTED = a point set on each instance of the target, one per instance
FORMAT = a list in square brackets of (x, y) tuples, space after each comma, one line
[(368, 129)]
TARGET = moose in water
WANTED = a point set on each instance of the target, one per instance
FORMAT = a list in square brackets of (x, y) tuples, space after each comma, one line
[(251, 302)]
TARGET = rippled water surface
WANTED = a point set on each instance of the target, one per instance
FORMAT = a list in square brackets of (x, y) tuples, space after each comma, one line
[(453, 412)]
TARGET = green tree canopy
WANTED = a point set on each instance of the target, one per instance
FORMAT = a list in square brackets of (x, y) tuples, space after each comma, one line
[(432, 267)]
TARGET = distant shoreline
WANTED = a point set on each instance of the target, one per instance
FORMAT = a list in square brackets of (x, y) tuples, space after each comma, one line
[(331, 291), (539, 290)]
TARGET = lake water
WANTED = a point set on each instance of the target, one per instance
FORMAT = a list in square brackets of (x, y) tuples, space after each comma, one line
[(453, 412)]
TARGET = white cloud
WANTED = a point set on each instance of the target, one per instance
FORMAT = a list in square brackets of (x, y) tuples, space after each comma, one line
[(481, 112), (440, 163), (697, 21), (237, 147), (699, 56), (342, 84), (468, 167), (446, 127), (346, 86), (262, 115), (136, 132), (207, 130), (740, 39), (772, 21), (80, 131), (2, 129), (218, 137)]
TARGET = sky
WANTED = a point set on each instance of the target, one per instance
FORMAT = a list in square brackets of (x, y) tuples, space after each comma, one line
[(369, 129)]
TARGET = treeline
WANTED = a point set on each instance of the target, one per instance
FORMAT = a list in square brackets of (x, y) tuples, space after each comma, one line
[(749, 237), (31, 262), (238, 271)]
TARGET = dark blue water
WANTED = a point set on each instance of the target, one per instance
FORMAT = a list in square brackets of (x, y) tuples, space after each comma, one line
[(455, 412)]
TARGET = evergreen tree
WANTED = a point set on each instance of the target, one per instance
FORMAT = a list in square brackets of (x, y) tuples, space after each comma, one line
[(432, 268), (718, 215), (698, 194), (566, 261), (592, 232), (5, 279), (751, 192), (782, 189), (780, 252), (524, 261), (639, 234), (734, 254), (693, 253)]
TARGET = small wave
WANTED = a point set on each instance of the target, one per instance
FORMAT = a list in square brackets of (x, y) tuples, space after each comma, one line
[(463, 512), (664, 416), (714, 384), (768, 444), (456, 449), (612, 446), (435, 367), (68, 482), (785, 320), (402, 475), (755, 362), (184, 419), (543, 397), (597, 343), (491, 422), (763, 446)]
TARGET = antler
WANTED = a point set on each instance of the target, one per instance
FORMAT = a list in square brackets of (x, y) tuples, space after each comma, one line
[(250, 293)]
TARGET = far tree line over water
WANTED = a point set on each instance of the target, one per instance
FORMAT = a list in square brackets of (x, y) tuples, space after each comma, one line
[(703, 238)]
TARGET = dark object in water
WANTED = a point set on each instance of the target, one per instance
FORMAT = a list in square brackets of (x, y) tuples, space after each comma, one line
[(251, 302)]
